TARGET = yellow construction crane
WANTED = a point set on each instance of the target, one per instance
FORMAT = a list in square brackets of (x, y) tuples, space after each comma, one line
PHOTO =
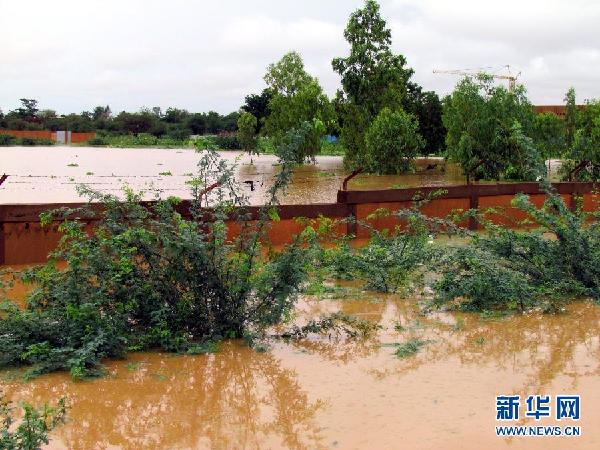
[(512, 79)]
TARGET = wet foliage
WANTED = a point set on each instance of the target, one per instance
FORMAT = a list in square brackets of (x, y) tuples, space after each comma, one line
[(409, 348), (145, 277), (335, 325), (32, 431), (510, 269)]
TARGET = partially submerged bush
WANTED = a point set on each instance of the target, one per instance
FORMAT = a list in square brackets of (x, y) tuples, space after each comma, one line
[(336, 324), (32, 432), (409, 348), (149, 278), (516, 270), (97, 141), (390, 259), (6, 140)]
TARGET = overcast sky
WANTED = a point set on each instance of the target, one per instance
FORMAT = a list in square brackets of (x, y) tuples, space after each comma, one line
[(198, 54)]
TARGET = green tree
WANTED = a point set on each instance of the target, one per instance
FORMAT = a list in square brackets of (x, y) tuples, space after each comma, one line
[(301, 143), (247, 133), (392, 142), (288, 75), (549, 135), (28, 110), (297, 98), (571, 116), (486, 126), (373, 78), (258, 105), (427, 108), (585, 151), (101, 116)]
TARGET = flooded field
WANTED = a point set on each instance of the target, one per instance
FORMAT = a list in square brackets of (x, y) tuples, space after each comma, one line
[(334, 393), (320, 392), (50, 174)]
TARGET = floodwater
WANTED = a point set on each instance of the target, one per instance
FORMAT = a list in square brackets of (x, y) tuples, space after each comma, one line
[(51, 174), (326, 392)]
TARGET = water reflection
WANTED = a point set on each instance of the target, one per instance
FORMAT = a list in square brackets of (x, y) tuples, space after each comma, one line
[(236, 399), (325, 391)]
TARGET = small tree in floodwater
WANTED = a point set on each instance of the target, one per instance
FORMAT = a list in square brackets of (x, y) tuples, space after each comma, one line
[(149, 278), (32, 431), (247, 125)]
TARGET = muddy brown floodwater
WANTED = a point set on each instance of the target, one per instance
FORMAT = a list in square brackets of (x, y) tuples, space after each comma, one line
[(321, 392), (50, 174), (328, 393)]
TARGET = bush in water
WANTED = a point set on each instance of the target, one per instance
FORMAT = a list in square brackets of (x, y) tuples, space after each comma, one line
[(149, 278), (32, 431), (517, 270)]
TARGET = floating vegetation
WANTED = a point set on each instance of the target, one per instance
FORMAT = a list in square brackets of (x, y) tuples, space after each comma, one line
[(335, 324), (409, 348)]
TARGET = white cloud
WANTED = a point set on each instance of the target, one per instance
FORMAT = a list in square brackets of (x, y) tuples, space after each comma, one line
[(205, 55)]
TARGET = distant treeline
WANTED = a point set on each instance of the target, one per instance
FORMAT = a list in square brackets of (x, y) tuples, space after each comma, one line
[(175, 123)]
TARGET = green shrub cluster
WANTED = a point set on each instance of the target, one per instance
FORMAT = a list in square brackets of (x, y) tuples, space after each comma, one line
[(150, 278), (139, 140), (219, 142), (32, 432), (7, 140), (517, 270), (227, 141)]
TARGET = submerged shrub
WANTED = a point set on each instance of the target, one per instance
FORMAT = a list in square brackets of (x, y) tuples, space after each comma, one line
[(516, 270), (6, 140), (30, 142), (97, 142), (337, 324), (149, 278), (32, 432), (409, 348), (390, 259)]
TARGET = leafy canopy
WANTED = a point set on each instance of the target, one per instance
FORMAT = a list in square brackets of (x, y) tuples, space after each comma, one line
[(585, 149), (489, 130), (297, 98), (247, 136), (372, 77), (393, 142)]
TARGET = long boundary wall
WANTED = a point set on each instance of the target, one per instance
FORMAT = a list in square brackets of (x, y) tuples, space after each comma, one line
[(76, 137), (24, 241)]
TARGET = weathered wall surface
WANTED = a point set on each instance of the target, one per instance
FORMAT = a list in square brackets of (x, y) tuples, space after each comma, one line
[(76, 138), (24, 241)]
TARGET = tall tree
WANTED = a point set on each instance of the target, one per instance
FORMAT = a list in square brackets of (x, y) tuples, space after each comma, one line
[(585, 151), (247, 133), (28, 110), (571, 116), (549, 135), (427, 108), (373, 78), (297, 97)]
